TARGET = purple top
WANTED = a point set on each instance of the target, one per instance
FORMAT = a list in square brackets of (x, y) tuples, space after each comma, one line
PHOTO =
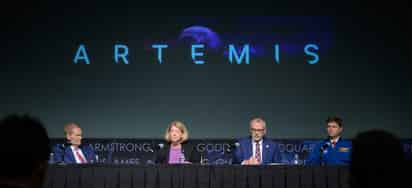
[(175, 155)]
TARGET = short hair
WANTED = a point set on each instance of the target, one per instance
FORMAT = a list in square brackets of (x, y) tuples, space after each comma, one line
[(25, 145), (68, 128), (335, 119), (181, 126), (257, 119), (376, 159)]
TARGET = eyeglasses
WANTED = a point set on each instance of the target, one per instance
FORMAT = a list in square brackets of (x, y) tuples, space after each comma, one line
[(257, 130)]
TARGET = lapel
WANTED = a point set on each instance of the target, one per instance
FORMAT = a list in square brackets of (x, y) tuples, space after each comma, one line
[(186, 151), (167, 152), (264, 152), (337, 144), (69, 155), (84, 151), (249, 149)]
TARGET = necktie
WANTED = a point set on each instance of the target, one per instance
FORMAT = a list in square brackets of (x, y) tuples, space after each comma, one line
[(82, 160), (333, 144), (257, 152)]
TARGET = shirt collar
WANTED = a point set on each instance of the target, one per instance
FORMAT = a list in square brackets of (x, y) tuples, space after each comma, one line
[(260, 142), (74, 149), (336, 139)]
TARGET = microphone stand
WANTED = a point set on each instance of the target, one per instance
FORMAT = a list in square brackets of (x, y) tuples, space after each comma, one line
[(322, 163), (322, 152)]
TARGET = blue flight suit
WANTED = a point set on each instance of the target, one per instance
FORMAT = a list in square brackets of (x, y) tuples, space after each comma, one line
[(325, 154)]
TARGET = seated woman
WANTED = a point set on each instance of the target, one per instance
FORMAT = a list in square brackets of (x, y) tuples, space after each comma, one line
[(177, 151)]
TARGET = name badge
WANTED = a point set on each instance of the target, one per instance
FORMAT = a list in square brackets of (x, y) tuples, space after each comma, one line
[(344, 149)]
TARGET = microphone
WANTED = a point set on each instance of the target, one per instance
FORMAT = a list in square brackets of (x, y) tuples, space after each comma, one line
[(324, 146), (235, 145), (66, 144)]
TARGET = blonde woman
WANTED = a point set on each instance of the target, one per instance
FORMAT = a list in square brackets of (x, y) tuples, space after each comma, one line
[(177, 151)]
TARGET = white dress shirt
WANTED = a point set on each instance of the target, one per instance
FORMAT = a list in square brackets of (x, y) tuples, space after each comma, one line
[(254, 148), (334, 140), (78, 161)]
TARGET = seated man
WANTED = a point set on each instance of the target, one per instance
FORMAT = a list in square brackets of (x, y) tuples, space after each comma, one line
[(72, 151), (24, 153), (334, 150), (256, 149)]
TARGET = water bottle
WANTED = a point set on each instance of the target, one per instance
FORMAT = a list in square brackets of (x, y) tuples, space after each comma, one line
[(182, 158), (51, 158), (204, 160), (296, 159), (201, 160)]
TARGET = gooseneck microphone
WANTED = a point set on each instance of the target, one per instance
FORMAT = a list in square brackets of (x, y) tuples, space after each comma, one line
[(323, 149)]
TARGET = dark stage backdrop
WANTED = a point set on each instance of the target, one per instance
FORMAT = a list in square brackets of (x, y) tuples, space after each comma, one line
[(359, 70)]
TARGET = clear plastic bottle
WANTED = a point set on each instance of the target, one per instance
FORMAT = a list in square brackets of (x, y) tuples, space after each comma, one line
[(296, 159), (182, 158), (204, 160), (51, 158)]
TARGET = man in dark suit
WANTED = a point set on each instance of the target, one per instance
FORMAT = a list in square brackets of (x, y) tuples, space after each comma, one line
[(24, 153), (256, 149), (73, 152)]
